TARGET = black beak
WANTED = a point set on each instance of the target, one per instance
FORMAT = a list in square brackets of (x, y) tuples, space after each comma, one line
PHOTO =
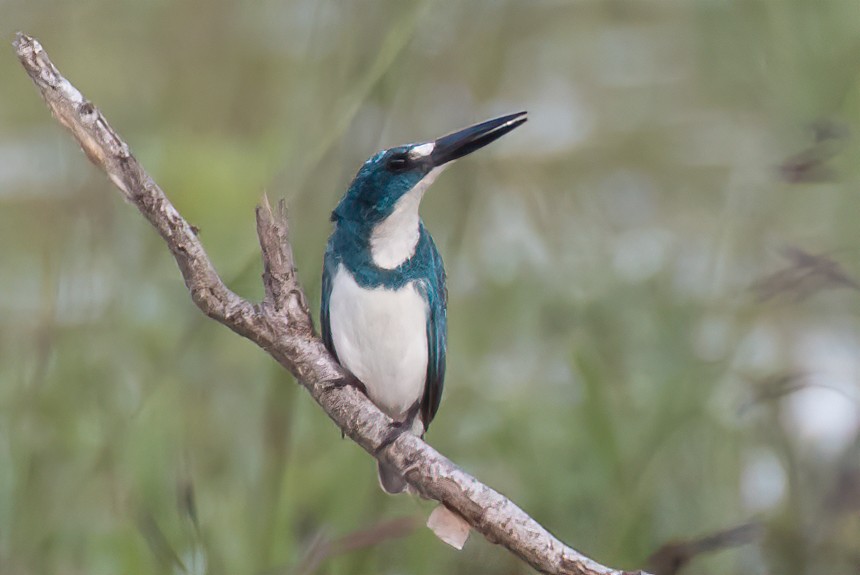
[(456, 145)]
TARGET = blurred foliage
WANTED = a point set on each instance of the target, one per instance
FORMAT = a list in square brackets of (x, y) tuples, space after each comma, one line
[(654, 319)]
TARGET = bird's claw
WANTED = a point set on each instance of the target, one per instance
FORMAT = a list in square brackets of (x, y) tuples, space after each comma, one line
[(395, 430), (350, 380)]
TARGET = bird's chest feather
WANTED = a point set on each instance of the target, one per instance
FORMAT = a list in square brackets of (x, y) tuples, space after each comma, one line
[(380, 335)]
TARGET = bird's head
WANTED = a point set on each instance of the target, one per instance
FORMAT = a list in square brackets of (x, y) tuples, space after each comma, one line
[(381, 204), (391, 174)]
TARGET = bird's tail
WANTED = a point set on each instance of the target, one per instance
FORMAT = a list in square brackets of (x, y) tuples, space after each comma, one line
[(390, 479)]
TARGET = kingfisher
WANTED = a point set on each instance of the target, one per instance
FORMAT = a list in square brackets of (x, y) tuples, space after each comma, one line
[(384, 300)]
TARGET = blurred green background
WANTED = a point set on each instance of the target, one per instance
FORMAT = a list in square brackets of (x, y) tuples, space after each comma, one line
[(654, 326)]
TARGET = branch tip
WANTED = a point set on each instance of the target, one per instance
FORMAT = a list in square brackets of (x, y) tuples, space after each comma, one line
[(264, 202), (20, 39)]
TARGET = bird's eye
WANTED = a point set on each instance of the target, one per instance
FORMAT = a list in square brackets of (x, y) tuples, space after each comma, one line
[(398, 162)]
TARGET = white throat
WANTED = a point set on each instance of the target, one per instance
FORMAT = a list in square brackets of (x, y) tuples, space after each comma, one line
[(393, 240)]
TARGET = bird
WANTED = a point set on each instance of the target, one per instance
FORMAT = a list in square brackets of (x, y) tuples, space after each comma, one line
[(384, 300)]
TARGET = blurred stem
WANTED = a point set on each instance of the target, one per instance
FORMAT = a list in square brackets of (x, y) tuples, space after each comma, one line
[(393, 45), (295, 184), (278, 423)]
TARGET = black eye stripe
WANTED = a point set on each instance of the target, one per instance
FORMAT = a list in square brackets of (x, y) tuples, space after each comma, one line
[(398, 162)]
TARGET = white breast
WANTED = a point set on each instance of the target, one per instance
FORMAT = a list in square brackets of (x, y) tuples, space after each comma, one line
[(380, 336), (393, 240)]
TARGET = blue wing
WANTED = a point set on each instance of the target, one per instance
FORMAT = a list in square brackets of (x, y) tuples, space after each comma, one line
[(437, 334), (329, 267)]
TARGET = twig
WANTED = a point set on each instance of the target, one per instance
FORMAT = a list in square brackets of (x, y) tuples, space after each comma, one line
[(806, 274), (282, 326), (673, 556)]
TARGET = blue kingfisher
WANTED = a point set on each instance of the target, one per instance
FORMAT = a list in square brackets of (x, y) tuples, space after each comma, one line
[(383, 288)]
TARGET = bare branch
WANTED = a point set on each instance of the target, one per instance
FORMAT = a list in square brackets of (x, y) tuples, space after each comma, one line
[(283, 292), (282, 326), (107, 151)]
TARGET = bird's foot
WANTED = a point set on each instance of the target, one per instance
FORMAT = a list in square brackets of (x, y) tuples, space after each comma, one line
[(395, 430), (398, 428), (352, 381)]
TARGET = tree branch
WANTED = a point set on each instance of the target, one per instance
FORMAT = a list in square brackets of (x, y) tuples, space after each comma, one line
[(281, 325)]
